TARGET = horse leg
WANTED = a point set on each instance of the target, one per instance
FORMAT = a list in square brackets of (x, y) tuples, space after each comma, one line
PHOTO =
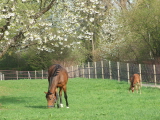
[(130, 89), (65, 96), (57, 99), (136, 87), (60, 95), (139, 87)]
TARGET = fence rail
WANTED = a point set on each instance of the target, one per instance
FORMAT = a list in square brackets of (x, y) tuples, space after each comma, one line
[(103, 69), (16, 75)]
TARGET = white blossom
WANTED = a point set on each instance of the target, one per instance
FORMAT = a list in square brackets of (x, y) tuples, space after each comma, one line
[(6, 33), (31, 21), (91, 19)]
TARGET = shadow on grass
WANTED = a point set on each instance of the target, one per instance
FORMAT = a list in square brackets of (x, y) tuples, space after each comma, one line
[(6, 100), (38, 107), (14, 100)]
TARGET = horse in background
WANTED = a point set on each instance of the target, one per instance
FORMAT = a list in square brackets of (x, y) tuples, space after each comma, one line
[(135, 83), (57, 78)]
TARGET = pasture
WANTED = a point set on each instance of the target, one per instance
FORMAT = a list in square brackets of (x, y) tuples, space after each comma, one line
[(89, 99)]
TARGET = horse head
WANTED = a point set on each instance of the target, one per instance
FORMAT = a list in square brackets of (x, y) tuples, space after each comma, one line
[(51, 99)]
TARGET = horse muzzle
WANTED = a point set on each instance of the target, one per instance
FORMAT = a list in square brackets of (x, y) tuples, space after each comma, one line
[(50, 106)]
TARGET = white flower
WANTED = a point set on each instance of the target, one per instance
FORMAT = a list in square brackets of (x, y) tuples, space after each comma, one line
[(31, 21), (3, 10), (60, 43), (31, 38), (91, 19), (93, 6), (51, 38), (93, 0), (6, 33), (11, 14)]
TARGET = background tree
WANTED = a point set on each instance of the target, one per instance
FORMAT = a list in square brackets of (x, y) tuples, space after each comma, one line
[(93, 29), (134, 33), (22, 23), (140, 30)]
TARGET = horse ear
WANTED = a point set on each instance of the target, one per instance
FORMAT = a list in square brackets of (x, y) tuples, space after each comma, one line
[(45, 92)]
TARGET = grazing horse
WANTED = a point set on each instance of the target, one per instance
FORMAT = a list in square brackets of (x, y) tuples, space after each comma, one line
[(57, 78), (135, 83)]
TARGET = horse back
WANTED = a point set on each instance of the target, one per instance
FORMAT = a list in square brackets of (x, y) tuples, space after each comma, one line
[(59, 74), (135, 78), (62, 76)]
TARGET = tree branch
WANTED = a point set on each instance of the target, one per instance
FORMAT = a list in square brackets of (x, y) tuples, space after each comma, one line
[(5, 27), (37, 15)]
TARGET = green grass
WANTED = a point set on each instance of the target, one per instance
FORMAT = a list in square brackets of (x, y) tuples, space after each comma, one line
[(89, 99)]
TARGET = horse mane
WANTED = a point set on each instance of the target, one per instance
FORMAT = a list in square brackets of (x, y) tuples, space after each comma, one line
[(56, 70), (54, 73)]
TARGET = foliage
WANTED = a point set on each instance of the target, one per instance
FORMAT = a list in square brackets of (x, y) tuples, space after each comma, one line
[(95, 29), (32, 59), (95, 99), (138, 33), (14, 62), (21, 30), (65, 24)]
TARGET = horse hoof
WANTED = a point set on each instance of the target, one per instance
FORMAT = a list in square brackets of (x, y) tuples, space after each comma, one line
[(61, 105)]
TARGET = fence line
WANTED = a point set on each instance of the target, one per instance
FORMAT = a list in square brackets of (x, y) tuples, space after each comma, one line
[(149, 73), (16, 75)]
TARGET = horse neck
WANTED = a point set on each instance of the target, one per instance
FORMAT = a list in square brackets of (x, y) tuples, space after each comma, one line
[(53, 85)]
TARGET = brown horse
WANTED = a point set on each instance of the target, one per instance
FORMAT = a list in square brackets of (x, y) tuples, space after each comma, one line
[(135, 83), (57, 78)]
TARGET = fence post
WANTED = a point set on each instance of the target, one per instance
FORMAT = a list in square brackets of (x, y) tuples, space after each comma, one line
[(155, 81), (42, 74), (68, 71), (77, 71), (102, 70), (72, 72), (128, 72), (95, 70), (17, 74), (118, 71), (29, 76), (35, 75), (83, 69), (110, 70), (140, 73), (3, 77), (89, 70)]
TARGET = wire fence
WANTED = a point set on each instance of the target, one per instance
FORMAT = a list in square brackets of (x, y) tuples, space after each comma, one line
[(120, 71), (149, 73)]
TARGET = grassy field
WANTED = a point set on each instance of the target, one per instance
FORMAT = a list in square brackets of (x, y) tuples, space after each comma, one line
[(89, 99)]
